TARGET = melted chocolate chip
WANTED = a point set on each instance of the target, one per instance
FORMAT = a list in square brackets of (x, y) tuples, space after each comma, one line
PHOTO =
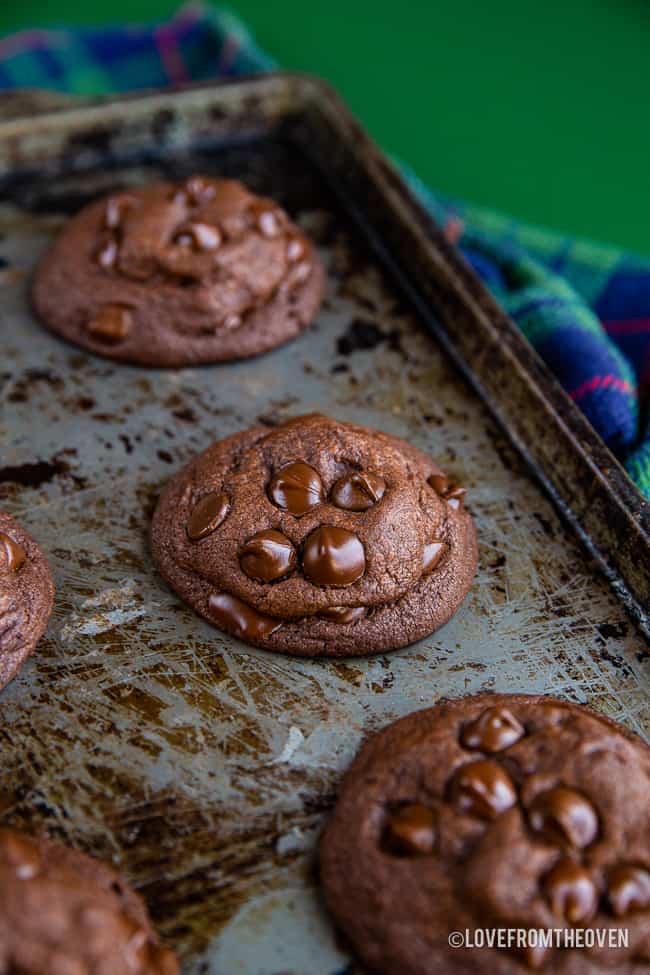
[(358, 492), (296, 249), (299, 273), (207, 514), (197, 191), (296, 488), (199, 236), (106, 253), (268, 221), (333, 557), (493, 731), (482, 789), (410, 831), (267, 556), (571, 892), (439, 483), (628, 890), (234, 614), (564, 816), (343, 614), (116, 209), (232, 321), (14, 554), (111, 324), (431, 555), (19, 853), (453, 494)]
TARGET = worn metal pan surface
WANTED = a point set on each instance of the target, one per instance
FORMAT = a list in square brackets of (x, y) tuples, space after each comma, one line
[(204, 768)]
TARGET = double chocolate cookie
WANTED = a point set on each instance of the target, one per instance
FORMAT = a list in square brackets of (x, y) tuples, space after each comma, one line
[(64, 913), (179, 274), (494, 811), (317, 538), (26, 596)]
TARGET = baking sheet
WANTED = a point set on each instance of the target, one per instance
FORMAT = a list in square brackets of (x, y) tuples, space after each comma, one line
[(204, 768)]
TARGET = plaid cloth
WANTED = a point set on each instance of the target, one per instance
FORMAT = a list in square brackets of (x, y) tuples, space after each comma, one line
[(583, 306)]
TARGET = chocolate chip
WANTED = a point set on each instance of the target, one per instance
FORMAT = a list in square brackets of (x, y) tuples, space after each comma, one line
[(268, 222), (232, 321), (197, 191), (333, 557), (628, 890), (111, 324), (564, 816), (439, 483), (343, 614), (207, 514), (14, 554), (410, 831), (116, 209), (493, 731), (299, 273), (267, 556), (358, 492), (431, 555), (296, 488), (453, 494), (571, 892), (199, 236), (106, 253), (482, 789), (296, 249), (232, 613)]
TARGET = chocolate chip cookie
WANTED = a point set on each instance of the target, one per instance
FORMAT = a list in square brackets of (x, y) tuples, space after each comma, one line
[(494, 811), (26, 596), (179, 274), (317, 538), (64, 913)]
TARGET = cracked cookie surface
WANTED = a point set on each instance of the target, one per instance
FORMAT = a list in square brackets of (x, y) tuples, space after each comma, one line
[(64, 913), (316, 538), (493, 811), (179, 274), (26, 596)]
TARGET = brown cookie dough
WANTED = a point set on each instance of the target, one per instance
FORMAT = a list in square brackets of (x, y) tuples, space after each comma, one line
[(63, 913), (26, 596), (179, 274), (493, 811), (317, 538)]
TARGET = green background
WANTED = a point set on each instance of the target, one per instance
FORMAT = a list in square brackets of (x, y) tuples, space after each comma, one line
[(538, 109)]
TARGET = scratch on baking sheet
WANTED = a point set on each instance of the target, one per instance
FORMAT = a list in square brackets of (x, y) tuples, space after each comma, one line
[(295, 840), (96, 617), (292, 744)]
